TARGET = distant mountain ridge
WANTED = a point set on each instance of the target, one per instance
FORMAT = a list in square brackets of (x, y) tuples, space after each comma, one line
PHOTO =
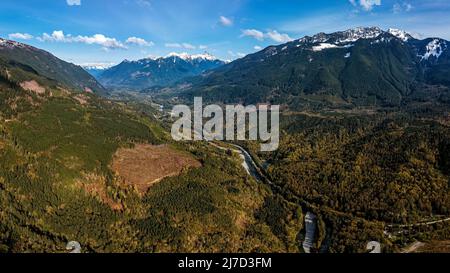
[(96, 69), (361, 66), (162, 71), (49, 66)]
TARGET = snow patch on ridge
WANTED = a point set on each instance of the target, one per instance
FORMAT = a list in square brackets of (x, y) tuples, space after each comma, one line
[(382, 40), (434, 48), (323, 46)]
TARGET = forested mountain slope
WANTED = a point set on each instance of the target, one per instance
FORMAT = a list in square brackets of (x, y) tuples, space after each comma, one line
[(58, 146), (357, 67), (48, 66)]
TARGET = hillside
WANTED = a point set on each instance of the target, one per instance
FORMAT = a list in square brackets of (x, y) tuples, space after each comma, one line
[(357, 67), (48, 66), (148, 72), (69, 171)]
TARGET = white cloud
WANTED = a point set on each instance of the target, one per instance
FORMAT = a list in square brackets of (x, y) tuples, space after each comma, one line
[(173, 45), (188, 46), (98, 39), (20, 36), (368, 5), (56, 36), (144, 3), (182, 45), (408, 7), (73, 2), (402, 7), (226, 21), (139, 41), (258, 35), (278, 37), (257, 48), (202, 47)]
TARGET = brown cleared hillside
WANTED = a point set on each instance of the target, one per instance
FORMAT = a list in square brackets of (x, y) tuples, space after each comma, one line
[(145, 165)]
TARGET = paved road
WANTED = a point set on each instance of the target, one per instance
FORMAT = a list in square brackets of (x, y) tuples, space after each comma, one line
[(400, 229), (420, 224), (248, 163)]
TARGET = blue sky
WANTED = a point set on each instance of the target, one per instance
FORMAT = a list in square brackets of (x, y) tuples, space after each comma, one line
[(108, 31)]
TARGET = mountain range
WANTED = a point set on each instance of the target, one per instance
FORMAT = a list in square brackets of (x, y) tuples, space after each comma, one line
[(40, 62), (361, 66), (162, 71), (96, 69)]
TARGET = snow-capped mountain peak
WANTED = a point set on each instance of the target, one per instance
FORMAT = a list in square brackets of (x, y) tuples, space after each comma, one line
[(96, 66), (183, 55), (352, 35), (344, 37), (187, 57), (205, 56), (401, 34)]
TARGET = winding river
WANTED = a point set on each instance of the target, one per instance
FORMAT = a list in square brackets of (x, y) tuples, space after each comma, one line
[(253, 170)]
